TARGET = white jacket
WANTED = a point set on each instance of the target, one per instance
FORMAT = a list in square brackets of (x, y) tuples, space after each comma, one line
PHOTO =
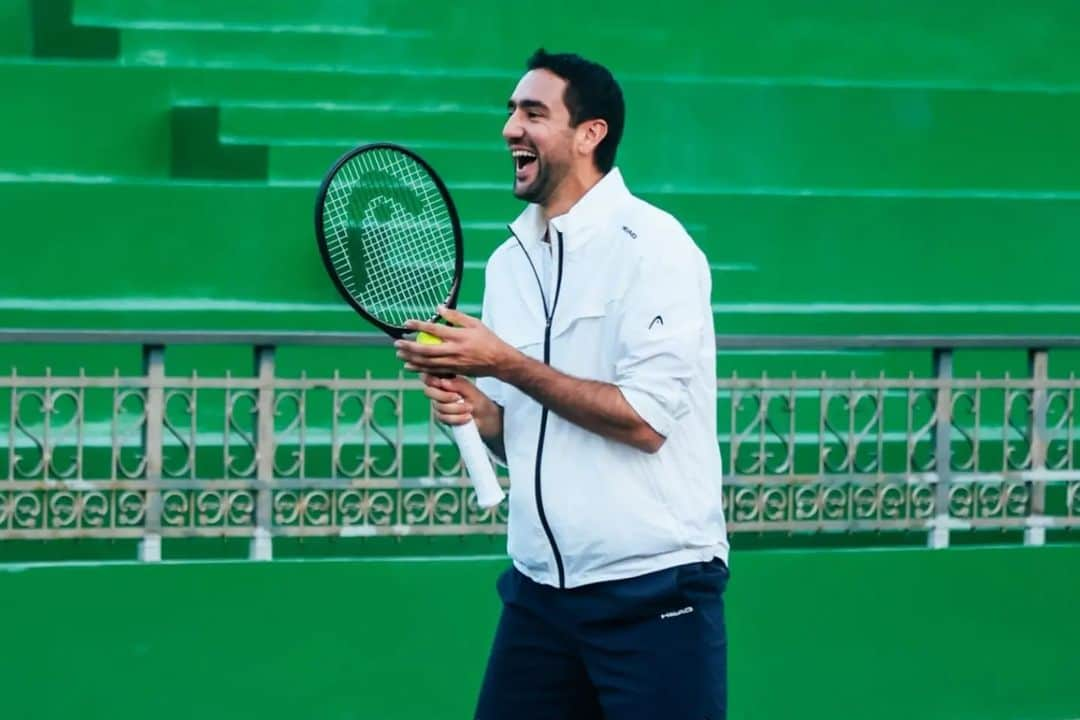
[(632, 307)]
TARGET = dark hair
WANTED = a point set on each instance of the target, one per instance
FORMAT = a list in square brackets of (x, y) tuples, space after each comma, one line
[(591, 94)]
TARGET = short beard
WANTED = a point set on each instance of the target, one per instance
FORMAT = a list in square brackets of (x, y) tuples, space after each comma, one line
[(536, 191)]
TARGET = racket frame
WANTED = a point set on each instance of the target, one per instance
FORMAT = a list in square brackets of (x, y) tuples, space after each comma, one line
[(489, 492), (324, 251)]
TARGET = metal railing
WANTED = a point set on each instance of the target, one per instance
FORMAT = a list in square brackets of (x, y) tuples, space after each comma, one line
[(151, 455)]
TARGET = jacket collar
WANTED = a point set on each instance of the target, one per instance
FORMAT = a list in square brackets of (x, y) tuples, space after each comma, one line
[(594, 207)]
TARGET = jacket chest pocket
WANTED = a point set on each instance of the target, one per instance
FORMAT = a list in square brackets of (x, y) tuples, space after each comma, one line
[(583, 345), (583, 333), (583, 330)]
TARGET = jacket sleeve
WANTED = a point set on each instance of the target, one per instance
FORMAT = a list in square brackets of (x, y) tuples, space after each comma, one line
[(661, 330)]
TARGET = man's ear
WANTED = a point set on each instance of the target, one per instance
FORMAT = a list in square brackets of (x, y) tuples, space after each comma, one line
[(590, 134)]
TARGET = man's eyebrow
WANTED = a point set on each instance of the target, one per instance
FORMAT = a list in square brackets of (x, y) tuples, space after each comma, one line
[(527, 104)]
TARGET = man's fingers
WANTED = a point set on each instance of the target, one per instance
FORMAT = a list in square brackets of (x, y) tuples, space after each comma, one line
[(407, 350), (450, 408), (446, 419), (454, 408), (443, 332), (441, 396), (457, 386), (440, 382), (418, 364), (454, 317)]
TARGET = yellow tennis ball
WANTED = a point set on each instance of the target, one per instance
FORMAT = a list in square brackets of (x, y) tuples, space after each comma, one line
[(425, 339)]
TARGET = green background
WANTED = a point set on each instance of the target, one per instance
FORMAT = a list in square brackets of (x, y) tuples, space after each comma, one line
[(849, 167), (962, 634)]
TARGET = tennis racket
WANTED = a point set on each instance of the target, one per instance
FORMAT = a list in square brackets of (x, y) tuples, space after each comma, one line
[(390, 238)]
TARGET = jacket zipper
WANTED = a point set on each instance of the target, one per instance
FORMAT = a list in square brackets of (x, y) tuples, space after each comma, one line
[(549, 316)]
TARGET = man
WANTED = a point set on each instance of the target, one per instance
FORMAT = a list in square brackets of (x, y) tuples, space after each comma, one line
[(596, 366)]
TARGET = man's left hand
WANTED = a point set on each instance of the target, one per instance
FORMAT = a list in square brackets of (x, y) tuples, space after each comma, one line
[(468, 347)]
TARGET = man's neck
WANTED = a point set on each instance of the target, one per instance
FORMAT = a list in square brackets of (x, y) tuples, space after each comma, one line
[(570, 190)]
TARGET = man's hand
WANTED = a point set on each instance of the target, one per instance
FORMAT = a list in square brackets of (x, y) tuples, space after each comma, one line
[(456, 401), (447, 397), (468, 348)]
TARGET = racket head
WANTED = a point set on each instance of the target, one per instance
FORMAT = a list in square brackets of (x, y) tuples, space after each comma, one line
[(389, 236)]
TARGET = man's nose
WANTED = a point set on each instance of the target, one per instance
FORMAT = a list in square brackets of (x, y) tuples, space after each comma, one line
[(512, 129)]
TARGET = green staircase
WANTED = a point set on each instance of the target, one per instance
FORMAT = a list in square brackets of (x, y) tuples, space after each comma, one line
[(848, 167)]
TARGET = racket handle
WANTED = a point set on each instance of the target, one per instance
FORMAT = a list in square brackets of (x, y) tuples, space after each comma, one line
[(473, 453)]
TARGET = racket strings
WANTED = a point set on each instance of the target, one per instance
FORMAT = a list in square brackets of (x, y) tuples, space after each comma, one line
[(390, 237), (402, 250)]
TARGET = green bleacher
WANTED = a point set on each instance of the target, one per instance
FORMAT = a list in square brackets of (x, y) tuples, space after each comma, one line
[(870, 179), (848, 167)]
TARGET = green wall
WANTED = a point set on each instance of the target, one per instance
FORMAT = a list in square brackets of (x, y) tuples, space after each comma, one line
[(849, 167), (963, 634)]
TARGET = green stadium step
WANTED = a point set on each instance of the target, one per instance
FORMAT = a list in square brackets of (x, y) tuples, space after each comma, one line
[(77, 119), (197, 151), (862, 264), (209, 85), (295, 13), (15, 29), (436, 122), (53, 35), (759, 135), (920, 41), (481, 239), (1028, 147), (458, 164), (455, 163), (133, 139)]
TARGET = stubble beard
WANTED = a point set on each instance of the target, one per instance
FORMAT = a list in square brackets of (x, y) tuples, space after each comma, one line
[(539, 191)]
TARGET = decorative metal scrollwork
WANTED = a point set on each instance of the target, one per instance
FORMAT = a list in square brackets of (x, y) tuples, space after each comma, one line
[(760, 447), (240, 461), (1017, 431), (844, 446), (128, 430), (965, 457), (184, 403), (290, 405), (921, 439), (1061, 429), (361, 456)]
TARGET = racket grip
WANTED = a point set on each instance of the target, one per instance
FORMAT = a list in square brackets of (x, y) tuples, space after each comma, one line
[(473, 453)]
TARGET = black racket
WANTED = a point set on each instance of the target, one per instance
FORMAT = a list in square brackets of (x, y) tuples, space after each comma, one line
[(390, 238)]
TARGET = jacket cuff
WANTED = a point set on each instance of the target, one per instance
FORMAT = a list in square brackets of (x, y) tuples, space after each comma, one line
[(649, 409)]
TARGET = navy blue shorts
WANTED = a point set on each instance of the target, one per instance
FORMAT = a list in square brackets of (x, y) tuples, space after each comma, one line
[(650, 647)]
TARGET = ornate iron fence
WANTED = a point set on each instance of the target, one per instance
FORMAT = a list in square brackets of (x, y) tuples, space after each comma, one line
[(151, 455)]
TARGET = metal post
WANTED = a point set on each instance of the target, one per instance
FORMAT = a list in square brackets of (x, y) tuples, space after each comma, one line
[(154, 370), (943, 371), (1038, 364), (261, 544)]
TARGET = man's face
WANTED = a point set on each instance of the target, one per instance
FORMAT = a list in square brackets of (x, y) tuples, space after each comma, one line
[(539, 135)]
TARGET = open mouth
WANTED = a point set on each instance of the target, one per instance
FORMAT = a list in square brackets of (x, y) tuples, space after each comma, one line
[(524, 163)]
